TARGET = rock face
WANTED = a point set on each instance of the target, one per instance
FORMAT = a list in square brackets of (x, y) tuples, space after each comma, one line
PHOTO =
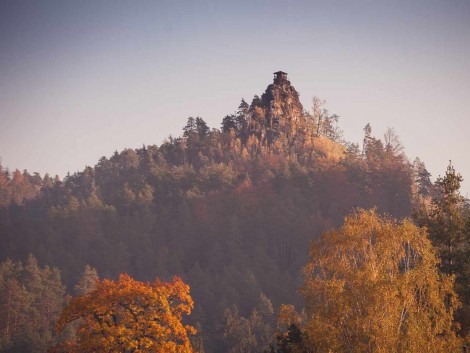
[(282, 108)]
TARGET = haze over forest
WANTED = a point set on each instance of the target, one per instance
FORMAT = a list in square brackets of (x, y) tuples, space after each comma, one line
[(85, 79), (205, 206), (232, 211)]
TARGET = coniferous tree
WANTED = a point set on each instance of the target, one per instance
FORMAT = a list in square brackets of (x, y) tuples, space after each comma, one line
[(31, 299), (448, 222), (87, 282), (446, 218), (424, 186)]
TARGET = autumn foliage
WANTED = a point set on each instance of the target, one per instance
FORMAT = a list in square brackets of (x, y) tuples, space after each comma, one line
[(232, 210), (130, 316), (374, 286)]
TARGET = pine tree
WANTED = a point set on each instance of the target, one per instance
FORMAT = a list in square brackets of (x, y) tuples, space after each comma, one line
[(87, 282), (446, 221)]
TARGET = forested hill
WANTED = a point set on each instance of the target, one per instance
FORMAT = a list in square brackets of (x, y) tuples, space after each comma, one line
[(231, 210)]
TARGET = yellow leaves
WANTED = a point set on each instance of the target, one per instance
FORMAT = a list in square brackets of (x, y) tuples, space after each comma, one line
[(330, 151), (132, 316), (374, 285)]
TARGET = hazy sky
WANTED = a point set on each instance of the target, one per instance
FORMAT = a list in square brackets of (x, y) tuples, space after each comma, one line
[(81, 79)]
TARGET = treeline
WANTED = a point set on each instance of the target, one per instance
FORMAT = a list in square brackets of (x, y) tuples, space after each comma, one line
[(232, 210), (31, 300)]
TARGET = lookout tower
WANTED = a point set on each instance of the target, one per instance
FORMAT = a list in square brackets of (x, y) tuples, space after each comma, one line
[(280, 77)]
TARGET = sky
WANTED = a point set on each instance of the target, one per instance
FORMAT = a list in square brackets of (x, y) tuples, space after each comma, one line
[(82, 79)]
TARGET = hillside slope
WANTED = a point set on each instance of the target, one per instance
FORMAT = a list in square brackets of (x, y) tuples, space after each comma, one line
[(232, 210)]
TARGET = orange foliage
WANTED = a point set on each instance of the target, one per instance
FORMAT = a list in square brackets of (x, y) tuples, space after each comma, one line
[(130, 316), (288, 316)]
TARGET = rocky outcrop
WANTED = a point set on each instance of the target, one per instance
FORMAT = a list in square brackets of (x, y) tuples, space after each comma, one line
[(279, 111)]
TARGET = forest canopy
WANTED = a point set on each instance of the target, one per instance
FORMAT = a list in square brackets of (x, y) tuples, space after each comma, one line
[(231, 211)]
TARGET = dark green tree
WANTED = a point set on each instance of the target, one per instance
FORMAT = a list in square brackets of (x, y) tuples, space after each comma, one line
[(202, 128), (229, 123), (446, 221), (424, 186), (190, 127)]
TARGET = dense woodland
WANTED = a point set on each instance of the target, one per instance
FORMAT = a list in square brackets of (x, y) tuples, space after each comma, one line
[(232, 211)]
